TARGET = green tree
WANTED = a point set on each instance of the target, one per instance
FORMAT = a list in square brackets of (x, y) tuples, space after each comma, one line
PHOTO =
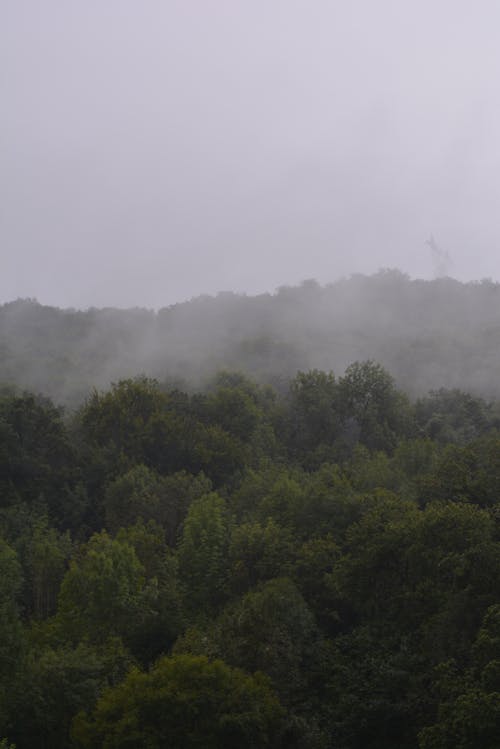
[(47, 557), (137, 423), (270, 629), (472, 721), (465, 473), (313, 565), (468, 715), (184, 702), (234, 410), (54, 683), (454, 416), (142, 494), (133, 496), (203, 565), (249, 498), (453, 564), (258, 552), (367, 581), (374, 412), (373, 690), (37, 460), (104, 592), (427, 573), (314, 417), (165, 618), (328, 505), (282, 500), (125, 422), (11, 639)]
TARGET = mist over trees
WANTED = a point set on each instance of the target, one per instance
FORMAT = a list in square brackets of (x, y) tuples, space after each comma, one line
[(428, 334), (280, 555), (236, 514)]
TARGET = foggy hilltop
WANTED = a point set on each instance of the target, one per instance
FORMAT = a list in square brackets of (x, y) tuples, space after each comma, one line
[(249, 389), (427, 334)]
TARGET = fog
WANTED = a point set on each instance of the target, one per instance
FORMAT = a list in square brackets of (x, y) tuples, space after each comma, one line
[(427, 334), (154, 151)]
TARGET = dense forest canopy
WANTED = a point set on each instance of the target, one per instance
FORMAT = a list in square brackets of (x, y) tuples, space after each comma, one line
[(428, 334), (315, 567), (289, 538)]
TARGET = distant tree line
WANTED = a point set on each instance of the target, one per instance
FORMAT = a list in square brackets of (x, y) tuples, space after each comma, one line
[(426, 333)]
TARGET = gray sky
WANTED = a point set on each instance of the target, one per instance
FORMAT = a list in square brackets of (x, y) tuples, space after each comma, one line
[(153, 150)]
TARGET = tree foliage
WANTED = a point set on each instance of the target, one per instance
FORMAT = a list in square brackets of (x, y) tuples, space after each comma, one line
[(313, 566), (184, 702)]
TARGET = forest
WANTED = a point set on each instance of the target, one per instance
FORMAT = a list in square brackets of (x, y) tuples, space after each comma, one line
[(283, 532), (236, 514), (427, 334), (314, 565)]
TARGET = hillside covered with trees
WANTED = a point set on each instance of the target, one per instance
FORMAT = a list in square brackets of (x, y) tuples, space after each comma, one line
[(313, 566), (428, 334)]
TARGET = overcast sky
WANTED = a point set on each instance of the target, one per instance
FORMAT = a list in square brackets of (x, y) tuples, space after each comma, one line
[(153, 150)]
